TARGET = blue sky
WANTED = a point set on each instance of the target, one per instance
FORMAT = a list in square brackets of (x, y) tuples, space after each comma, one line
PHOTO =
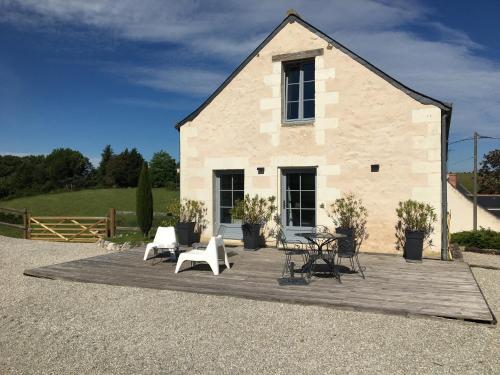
[(84, 73)]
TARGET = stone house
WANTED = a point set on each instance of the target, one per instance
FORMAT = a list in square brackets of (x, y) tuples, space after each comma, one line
[(305, 119)]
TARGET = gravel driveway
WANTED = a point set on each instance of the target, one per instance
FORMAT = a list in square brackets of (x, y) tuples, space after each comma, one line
[(63, 327)]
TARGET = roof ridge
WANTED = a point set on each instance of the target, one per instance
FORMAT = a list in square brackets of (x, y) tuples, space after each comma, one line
[(293, 16)]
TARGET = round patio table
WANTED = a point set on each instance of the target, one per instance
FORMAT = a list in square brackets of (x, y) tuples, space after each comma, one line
[(318, 240)]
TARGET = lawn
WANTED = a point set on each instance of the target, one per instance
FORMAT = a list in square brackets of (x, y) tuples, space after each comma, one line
[(466, 179), (92, 202)]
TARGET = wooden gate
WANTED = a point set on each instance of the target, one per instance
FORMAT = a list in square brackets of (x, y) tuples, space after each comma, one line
[(69, 229)]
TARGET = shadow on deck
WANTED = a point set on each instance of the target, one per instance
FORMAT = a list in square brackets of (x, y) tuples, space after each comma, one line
[(432, 288)]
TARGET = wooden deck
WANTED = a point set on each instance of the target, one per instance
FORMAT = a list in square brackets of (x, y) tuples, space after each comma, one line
[(433, 288)]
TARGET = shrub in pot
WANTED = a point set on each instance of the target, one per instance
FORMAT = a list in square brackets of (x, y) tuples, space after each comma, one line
[(254, 213), (414, 226), (189, 218), (349, 216)]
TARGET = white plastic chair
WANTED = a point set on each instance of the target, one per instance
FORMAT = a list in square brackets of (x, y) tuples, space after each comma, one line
[(209, 255), (165, 238)]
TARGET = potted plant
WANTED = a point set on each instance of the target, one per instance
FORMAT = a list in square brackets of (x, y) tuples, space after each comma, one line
[(254, 213), (188, 216), (414, 226), (349, 216)]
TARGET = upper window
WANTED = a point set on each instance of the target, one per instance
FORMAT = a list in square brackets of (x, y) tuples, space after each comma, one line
[(299, 91)]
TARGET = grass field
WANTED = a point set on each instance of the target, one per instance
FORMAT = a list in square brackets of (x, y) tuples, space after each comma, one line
[(93, 202), (466, 180)]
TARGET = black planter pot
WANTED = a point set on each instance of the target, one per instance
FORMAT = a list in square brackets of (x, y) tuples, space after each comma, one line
[(414, 245), (251, 236), (347, 245), (185, 233)]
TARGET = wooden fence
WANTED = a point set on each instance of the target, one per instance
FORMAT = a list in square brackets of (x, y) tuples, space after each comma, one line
[(68, 229), (64, 228), (16, 219)]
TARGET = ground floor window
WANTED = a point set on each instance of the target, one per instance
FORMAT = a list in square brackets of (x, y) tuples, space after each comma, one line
[(232, 189), (299, 198), (229, 188)]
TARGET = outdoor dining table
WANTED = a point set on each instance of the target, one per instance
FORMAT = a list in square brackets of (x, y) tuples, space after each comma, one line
[(317, 241)]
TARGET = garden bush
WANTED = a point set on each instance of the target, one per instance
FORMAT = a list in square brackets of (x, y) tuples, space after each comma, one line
[(144, 201), (482, 239)]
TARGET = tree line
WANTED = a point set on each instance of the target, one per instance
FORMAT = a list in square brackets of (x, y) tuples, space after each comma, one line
[(67, 169)]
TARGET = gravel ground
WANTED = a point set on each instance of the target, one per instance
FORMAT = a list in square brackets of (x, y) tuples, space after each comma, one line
[(63, 327), (477, 259)]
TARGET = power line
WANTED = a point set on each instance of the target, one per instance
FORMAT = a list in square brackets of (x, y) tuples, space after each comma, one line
[(476, 137), (461, 161), (471, 138), (461, 140)]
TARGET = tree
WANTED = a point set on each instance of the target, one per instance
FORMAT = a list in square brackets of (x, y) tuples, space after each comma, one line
[(9, 165), (123, 169), (163, 170), (106, 155), (489, 174), (67, 168), (144, 201)]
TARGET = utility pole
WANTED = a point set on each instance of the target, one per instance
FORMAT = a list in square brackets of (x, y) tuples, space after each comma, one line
[(474, 213)]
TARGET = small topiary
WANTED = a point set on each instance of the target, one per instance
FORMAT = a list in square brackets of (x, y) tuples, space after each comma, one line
[(414, 216), (144, 201)]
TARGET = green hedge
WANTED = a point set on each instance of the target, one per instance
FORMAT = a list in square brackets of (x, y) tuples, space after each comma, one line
[(12, 218), (482, 239)]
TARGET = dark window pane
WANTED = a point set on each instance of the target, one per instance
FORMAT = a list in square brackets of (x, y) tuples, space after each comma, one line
[(238, 181), (293, 181), (226, 199), (225, 215), (308, 199), (308, 90), (293, 198), (293, 74), (293, 93), (308, 218), (309, 109), (225, 182), (237, 196), (308, 181), (293, 218), (292, 111), (308, 71)]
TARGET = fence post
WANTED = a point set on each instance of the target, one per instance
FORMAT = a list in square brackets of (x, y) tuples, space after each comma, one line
[(112, 222), (27, 224)]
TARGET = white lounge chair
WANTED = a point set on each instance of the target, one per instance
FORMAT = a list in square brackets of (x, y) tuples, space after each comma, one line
[(166, 239), (220, 232), (210, 255)]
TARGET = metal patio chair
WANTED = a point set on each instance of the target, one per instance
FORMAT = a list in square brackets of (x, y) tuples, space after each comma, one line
[(291, 248), (348, 248)]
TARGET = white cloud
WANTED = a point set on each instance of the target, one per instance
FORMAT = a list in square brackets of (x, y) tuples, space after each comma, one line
[(20, 154), (185, 80), (95, 160), (445, 66), (148, 103)]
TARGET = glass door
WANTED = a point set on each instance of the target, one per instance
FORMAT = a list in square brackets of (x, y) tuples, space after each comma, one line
[(229, 188), (298, 190)]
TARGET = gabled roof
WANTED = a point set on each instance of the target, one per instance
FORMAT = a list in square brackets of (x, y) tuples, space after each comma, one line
[(424, 99)]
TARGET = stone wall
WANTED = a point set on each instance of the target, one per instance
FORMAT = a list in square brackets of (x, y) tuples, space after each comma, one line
[(361, 119)]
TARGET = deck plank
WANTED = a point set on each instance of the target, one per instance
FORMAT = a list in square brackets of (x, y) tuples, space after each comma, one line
[(434, 288)]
